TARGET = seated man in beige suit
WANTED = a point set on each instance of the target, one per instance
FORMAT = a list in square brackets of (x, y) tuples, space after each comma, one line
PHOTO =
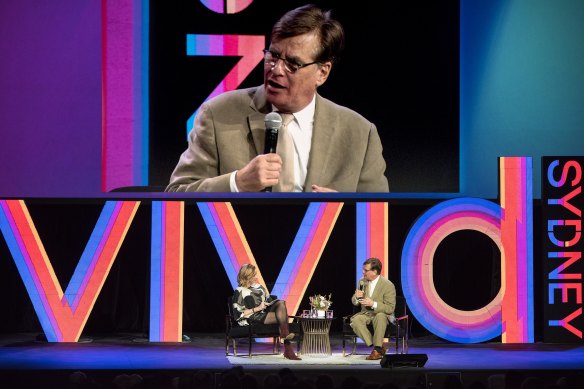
[(334, 148), (376, 294)]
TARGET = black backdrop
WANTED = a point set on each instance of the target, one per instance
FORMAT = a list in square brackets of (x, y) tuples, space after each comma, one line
[(400, 69)]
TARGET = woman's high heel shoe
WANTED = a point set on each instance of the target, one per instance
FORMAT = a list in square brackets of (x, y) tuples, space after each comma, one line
[(289, 352)]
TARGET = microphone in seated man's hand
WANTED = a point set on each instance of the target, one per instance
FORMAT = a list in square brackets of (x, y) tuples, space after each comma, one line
[(362, 289)]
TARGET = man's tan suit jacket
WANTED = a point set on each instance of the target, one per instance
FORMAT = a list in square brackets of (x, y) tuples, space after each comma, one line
[(345, 154)]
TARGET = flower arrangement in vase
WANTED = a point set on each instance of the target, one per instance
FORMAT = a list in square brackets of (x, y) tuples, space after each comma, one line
[(320, 303)]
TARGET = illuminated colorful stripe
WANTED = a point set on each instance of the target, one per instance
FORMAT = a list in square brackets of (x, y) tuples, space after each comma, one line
[(301, 260), (305, 253), (63, 315), (125, 39), (510, 313), (166, 277), (517, 237), (372, 236), (417, 266), (228, 238), (226, 6), (248, 47)]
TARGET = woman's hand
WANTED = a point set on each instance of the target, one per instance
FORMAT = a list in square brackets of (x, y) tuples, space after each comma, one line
[(256, 309)]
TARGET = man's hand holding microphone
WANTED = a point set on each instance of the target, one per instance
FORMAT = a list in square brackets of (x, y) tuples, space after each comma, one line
[(360, 295)]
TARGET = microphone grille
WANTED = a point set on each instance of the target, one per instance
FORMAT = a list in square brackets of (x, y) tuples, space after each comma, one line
[(273, 120)]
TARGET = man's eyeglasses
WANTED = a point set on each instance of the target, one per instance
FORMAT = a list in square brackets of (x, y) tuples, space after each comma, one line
[(271, 58)]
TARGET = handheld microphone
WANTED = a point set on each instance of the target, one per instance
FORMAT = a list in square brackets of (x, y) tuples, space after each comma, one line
[(361, 288), (273, 122)]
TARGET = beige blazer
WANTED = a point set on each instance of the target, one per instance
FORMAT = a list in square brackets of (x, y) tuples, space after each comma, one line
[(229, 131), (383, 294)]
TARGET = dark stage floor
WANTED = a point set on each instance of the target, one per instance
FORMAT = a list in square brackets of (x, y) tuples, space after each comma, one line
[(22, 357)]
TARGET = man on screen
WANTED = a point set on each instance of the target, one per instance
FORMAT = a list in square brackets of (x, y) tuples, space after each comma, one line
[(332, 148)]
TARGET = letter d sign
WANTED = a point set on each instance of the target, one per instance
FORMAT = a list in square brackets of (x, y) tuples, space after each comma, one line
[(510, 226)]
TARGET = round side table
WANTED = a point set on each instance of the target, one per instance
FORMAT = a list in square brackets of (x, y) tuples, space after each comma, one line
[(316, 340)]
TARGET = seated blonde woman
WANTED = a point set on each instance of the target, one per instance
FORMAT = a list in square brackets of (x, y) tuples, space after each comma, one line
[(251, 303)]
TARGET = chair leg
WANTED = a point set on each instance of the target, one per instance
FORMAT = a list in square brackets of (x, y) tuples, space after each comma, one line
[(249, 349), (403, 338), (397, 338), (234, 347), (276, 345), (353, 345)]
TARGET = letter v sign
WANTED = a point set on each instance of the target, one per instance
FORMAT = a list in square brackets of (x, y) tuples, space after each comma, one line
[(63, 315), (301, 260)]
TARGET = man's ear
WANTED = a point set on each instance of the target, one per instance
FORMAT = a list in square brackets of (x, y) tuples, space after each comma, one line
[(324, 71)]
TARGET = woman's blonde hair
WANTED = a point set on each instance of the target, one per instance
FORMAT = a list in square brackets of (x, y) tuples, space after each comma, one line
[(246, 273)]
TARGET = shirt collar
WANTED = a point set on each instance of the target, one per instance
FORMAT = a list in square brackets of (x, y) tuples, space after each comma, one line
[(305, 116), (373, 283)]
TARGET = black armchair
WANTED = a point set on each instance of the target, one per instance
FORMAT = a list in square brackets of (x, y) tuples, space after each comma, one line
[(397, 329), (234, 332)]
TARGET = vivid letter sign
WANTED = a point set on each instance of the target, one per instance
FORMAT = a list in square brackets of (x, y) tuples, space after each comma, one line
[(63, 315), (509, 225), (562, 203)]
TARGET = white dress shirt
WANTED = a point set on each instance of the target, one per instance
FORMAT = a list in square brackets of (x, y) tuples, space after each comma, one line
[(371, 288), (301, 131)]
